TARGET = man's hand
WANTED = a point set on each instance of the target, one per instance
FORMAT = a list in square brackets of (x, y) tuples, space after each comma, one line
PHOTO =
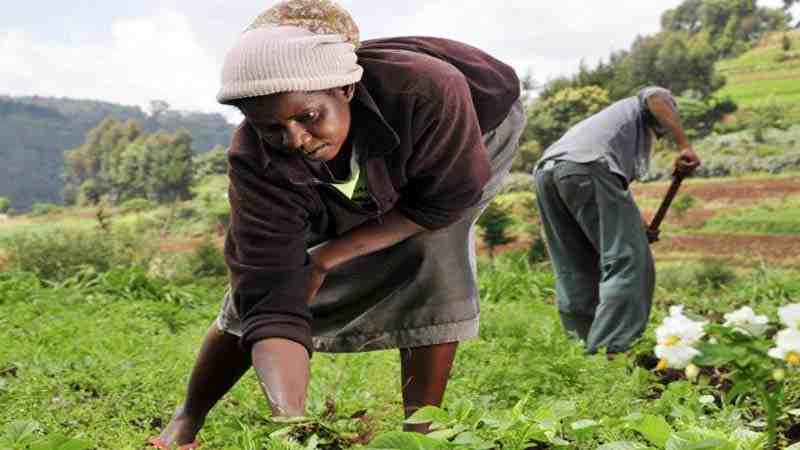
[(686, 162), (652, 235)]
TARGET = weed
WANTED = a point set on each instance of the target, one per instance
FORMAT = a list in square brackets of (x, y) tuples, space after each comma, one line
[(682, 204), (714, 273), (59, 253), (207, 260)]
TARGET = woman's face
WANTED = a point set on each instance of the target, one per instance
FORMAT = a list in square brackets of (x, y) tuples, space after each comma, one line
[(312, 124)]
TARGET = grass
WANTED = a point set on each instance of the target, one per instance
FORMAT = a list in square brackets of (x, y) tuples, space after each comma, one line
[(771, 217), (102, 359), (106, 363), (756, 74)]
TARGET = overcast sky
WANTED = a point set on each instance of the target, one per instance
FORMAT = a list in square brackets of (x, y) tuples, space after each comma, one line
[(132, 52)]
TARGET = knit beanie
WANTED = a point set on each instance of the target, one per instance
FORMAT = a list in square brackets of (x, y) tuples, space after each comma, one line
[(296, 45)]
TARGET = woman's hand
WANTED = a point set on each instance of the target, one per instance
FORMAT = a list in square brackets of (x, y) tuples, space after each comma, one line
[(362, 240), (316, 278)]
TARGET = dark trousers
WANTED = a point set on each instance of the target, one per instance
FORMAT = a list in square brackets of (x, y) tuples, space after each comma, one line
[(604, 268)]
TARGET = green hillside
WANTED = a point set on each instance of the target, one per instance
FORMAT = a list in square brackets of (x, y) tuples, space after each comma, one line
[(35, 132), (763, 71)]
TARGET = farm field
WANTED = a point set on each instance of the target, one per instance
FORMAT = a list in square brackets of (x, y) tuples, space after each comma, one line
[(99, 359), (759, 73)]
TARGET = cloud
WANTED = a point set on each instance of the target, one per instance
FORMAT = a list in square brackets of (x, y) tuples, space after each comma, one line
[(150, 57), (547, 38)]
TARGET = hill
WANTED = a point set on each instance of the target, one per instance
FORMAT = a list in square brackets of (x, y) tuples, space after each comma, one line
[(764, 70), (35, 132)]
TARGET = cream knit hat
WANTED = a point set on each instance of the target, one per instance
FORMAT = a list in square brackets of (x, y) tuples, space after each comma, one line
[(297, 45)]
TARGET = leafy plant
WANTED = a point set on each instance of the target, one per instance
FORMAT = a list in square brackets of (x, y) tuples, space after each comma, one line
[(740, 345), (683, 203), (495, 222), (41, 209)]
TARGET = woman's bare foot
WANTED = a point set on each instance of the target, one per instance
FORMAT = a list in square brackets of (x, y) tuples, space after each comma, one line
[(181, 429)]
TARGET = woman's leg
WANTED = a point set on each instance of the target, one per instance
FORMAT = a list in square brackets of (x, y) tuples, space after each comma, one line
[(220, 364), (282, 367), (424, 375)]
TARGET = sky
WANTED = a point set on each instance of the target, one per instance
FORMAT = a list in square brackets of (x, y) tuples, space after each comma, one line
[(172, 50)]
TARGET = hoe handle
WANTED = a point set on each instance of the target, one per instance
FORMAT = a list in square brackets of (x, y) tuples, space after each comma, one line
[(662, 209)]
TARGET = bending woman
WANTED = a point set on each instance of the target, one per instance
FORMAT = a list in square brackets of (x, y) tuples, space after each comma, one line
[(356, 179)]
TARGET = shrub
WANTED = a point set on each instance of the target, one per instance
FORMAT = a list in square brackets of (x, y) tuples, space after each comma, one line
[(219, 218), (5, 205), (59, 253), (528, 154), (136, 205), (537, 253), (714, 273), (89, 193), (682, 204), (41, 209), (212, 162), (495, 222), (518, 182), (708, 273), (207, 260), (768, 114), (786, 42), (700, 116)]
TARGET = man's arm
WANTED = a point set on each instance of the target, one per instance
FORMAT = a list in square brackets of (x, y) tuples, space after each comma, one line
[(662, 106)]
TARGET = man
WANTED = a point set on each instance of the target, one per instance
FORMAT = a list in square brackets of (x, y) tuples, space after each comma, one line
[(595, 234)]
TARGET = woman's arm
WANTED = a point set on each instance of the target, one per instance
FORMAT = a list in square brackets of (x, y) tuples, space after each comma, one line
[(368, 238)]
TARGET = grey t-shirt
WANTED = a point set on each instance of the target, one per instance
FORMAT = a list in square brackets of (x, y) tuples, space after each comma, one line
[(619, 134)]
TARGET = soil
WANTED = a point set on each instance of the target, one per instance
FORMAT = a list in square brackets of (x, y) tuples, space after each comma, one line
[(170, 245), (739, 248), (739, 191), (773, 248)]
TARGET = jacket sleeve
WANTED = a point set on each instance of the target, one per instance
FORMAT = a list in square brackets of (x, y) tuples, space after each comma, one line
[(450, 165), (266, 254)]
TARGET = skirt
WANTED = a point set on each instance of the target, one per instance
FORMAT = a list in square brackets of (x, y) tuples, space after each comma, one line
[(422, 291)]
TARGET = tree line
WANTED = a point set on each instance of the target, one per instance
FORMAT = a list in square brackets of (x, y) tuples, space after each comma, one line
[(680, 57), (119, 161)]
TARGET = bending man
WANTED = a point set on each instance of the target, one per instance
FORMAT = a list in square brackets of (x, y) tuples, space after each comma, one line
[(594, 231)]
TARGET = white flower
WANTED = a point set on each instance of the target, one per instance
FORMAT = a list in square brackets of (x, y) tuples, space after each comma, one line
[(790, 315), (675, 339), (676, 356), (787, 347), (746, 321), (692, 371)]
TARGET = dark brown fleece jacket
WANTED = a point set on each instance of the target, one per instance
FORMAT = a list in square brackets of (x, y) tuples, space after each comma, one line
[(419, 114)]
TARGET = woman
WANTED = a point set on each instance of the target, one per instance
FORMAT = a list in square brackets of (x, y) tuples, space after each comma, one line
[(355, 182)]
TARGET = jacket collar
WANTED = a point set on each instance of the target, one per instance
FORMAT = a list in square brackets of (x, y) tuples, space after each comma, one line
[(372, 131)]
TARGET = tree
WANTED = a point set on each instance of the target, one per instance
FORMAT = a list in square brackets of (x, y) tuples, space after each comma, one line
[(786, 43), (5, 205), (528, 154), (495, 221), (171, 173), (157, 107), (213, 162), (118, 162), (550, 118)]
